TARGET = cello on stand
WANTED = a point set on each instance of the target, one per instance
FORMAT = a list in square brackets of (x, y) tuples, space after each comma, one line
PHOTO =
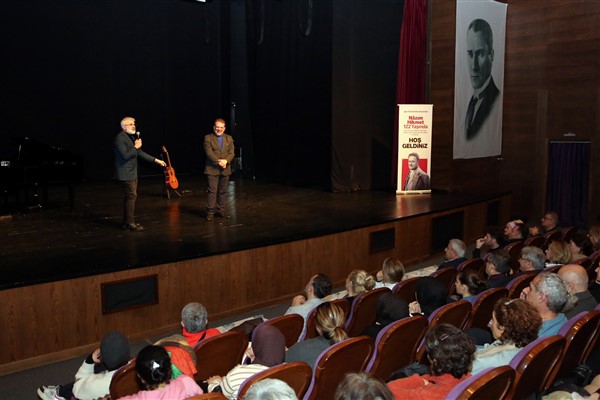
[(171, 182)]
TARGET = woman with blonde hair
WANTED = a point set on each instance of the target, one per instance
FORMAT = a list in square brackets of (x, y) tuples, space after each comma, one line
[(358, 281), (330, 320), (558, 253), (391, 273)]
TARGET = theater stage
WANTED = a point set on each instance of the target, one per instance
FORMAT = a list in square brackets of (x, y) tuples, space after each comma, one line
[(54, 262)]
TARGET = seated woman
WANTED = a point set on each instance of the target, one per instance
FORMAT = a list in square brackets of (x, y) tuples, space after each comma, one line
[(358, 281), (390, 308), (267, 350), (329, 320), (391, 273), (558, 253), (153, 367), (431, 294), (469, 284), (450, 354), (515, 323), (580, 247)]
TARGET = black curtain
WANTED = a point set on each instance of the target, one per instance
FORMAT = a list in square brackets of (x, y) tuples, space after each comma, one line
[(568, 182)]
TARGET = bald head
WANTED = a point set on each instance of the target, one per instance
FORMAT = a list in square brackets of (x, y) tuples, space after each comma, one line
[(575, 276)]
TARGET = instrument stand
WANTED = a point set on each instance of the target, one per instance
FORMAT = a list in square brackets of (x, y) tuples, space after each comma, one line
[(168, 191)]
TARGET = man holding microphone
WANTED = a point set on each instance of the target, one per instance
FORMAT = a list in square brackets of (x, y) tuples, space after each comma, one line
[(128, 147)]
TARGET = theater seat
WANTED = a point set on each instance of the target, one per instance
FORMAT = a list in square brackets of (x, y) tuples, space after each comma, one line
[(124, 382), (491, 383), (297, 374), (350, 355), (483, 306), (217, 355), (516, 286), (290, 325), (363, 312), (406, 289)]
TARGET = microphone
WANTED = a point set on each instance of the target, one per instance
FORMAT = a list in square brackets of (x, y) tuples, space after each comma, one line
[(137, 134)]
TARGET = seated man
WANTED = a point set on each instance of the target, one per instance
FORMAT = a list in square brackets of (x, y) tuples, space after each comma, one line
[(549, 223), (454, 254), (193, 320), (576, 278), (497, 267), (491, 242), (93, 378), (316, 289), (532, 259), (515, 231), (549, 294)]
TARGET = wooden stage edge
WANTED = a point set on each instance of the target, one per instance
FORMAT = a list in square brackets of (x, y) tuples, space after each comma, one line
[(53, 321)]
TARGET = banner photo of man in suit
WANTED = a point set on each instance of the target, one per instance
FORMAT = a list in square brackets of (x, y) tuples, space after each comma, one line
[(414, 148), (479, 78)]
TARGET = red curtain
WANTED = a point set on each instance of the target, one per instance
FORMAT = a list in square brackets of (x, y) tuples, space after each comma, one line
[(412, 68)]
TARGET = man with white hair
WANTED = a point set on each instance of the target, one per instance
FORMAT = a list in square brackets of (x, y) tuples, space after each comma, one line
[(576, 278), (549, 294), (454, 254), (194, 318), (531, 260), (270, 389)]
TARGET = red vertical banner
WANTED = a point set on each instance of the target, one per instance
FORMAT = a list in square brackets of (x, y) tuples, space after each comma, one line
[(414, 148)]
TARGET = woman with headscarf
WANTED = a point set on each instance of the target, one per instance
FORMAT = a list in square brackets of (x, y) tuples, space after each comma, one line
[(267, 350), (329, 320), (390, 308), (431, 294)]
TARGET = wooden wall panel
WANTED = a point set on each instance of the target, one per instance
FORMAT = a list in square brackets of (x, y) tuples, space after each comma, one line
[(52, 321), (552, 86)]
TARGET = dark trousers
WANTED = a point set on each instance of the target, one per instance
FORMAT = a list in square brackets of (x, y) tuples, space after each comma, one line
[(217, 188), (129, 197)]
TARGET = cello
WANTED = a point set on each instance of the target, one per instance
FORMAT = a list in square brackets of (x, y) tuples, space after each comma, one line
[(170, 178)]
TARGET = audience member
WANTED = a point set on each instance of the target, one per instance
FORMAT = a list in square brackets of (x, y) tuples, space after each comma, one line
[(267, 350), (361, 386), (469, 284), (329, 320), (318, 287), (92, 380), (515, 323), (532, 259), (390, 308), (431, 294), (594, 236), (391, 273), (183, 357), (558, 253), (548, 293), (450, 353), (576, 279), (454, 254), (549, 223), (580, 247), (514, 231), (497, 267), (270, 389), (490, 242), (194, 318), (358, 281), (594, 287), (153, 367)]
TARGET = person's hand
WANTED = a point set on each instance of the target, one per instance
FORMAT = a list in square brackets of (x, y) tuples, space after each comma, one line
[(160, 162), (534, 231), (138, 143), (479, 243), (379, 276), (96, 356), (414, 307), (298, 300), (214, 379), (223, 163)]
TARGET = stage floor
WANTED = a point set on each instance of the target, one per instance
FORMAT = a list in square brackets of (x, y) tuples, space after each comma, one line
[(57, 243)]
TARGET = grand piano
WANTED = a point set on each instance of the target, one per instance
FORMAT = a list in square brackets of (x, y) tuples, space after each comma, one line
[(31, 168)]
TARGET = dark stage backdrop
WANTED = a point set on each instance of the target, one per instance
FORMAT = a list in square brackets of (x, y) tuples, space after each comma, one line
[(313, 82), (72, 69)]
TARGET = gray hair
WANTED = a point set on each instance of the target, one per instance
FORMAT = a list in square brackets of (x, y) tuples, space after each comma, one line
[(194, 317), (535, 255), (458, 246), (555, 290), (270, 389)]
